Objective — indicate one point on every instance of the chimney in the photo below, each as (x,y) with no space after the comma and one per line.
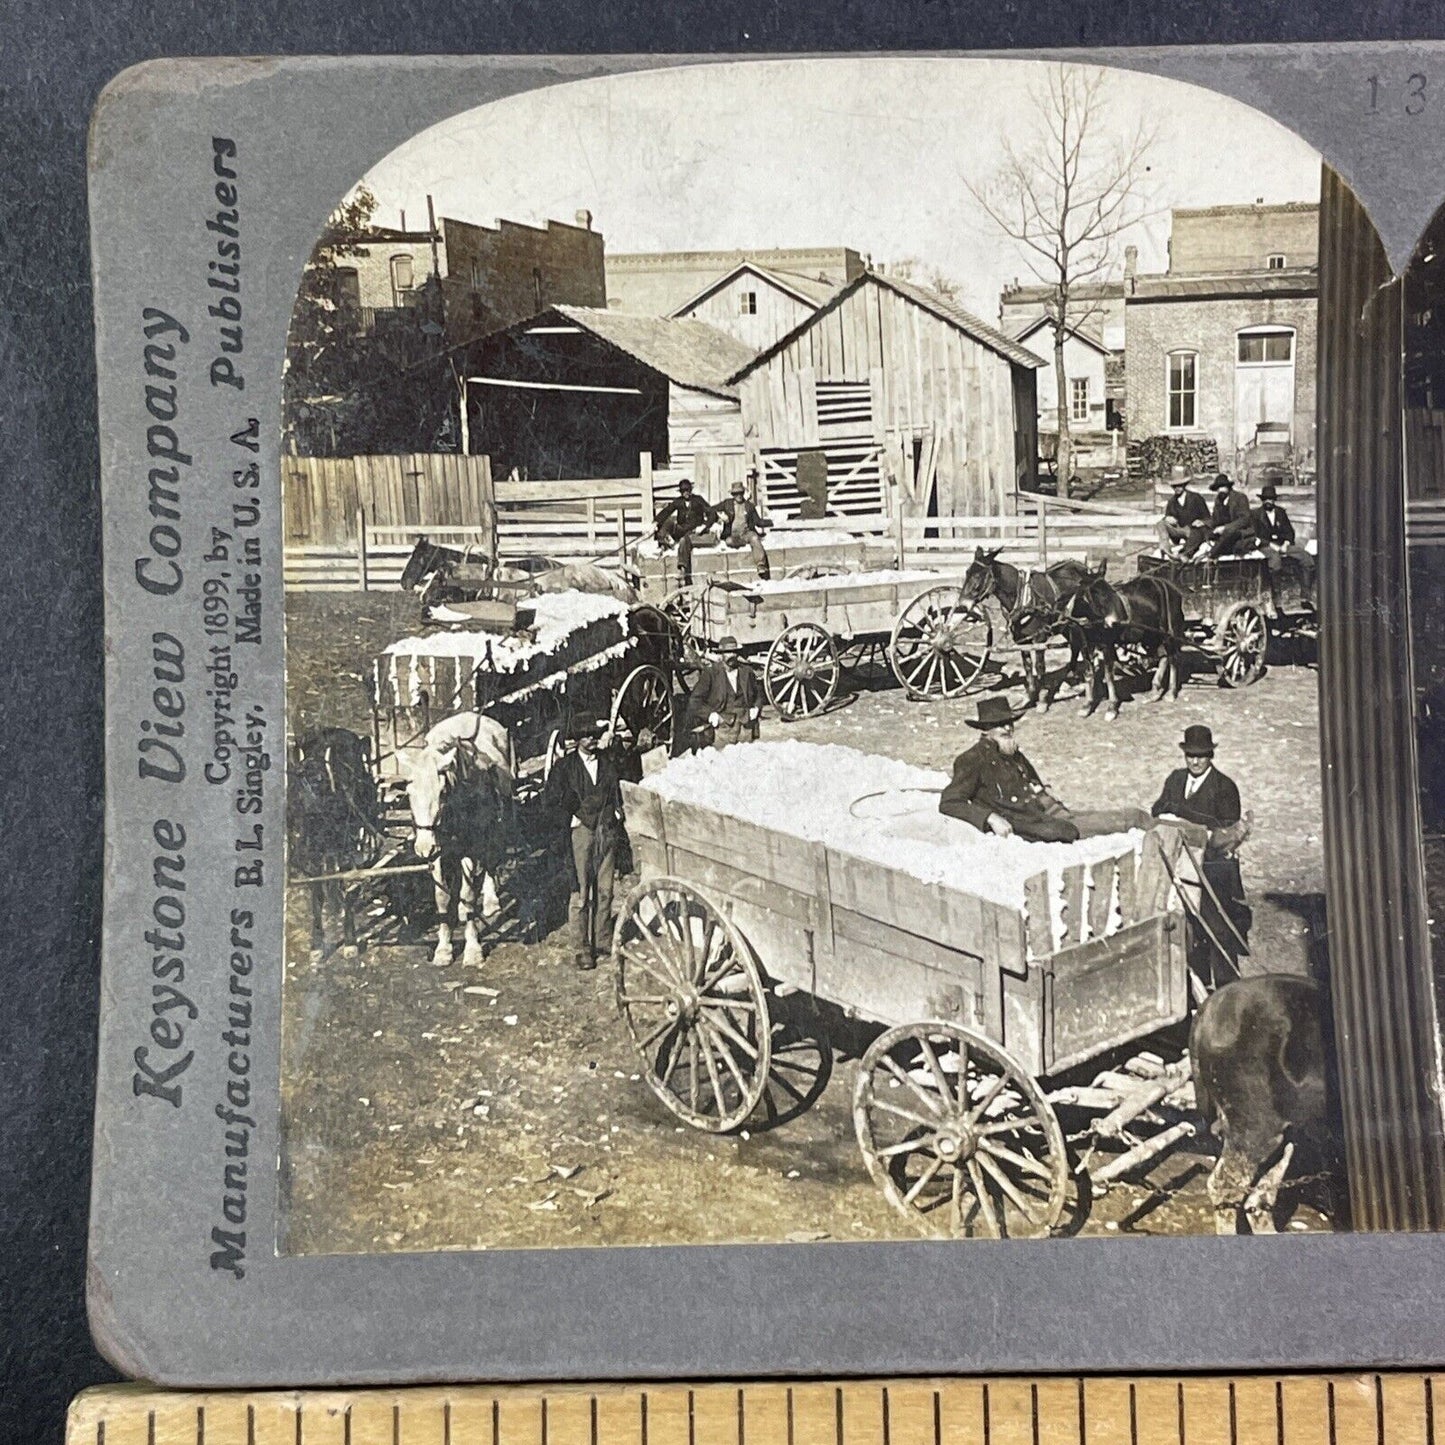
(584,219)
(1131,268)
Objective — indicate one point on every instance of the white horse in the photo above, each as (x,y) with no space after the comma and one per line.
(458,787)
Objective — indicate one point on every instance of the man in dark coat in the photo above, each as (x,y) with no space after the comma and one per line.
(1199,793)
(1184,526)
(729,696)
(584,788)
(742,526)
(995,787)
(685,521)
(1275,534)
(1231,523)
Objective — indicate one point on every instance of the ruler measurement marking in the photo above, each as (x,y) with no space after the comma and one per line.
(1080,1408)
(1133,1414)
(987,1417)
(1429,1411)
(742,1422)
(250,1425)
(937,1419)
(887,1423)
(790,1417)
(642,1407)
(1279,1411)
(396,1424)
(692,1419)
(1233,1416)
(544,1420)
(1330,1408)
(447,1422)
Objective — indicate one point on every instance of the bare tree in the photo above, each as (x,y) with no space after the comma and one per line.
(1064,197)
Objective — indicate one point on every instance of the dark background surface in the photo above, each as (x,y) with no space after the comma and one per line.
(53,62)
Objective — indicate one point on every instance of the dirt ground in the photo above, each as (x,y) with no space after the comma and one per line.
(430,1108)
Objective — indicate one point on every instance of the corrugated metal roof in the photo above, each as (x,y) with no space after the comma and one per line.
(1296,281)
(931,301)
(689,352)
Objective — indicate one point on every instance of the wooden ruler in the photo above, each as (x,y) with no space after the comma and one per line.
(1367,1409)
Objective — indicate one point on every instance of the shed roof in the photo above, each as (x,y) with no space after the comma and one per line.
(1296,281)
(931,301)
(810,290)
(691,353)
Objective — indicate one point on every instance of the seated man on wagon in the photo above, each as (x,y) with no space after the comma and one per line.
(995,788)
(1231,523)
(1183,528)
(685,521)
(742,525)
(728,696)
(1275,534)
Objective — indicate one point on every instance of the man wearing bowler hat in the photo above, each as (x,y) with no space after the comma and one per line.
(995,788)
(742,526)
(729,696)
(584,787)
(1231,523)
(1275,534)
(1199,793)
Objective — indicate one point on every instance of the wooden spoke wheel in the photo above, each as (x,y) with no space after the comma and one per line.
(1242,639)
(799,1066)
(695,1005)
(958,1137)
(642,711)
(800,675)
(681,608)
(940,643)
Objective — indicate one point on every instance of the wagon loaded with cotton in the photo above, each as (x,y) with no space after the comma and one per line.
(570,655)
(994,970)
(805,632)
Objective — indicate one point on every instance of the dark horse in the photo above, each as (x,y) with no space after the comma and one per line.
(448,575)
(1035,605)
(333,820)
(1143,611)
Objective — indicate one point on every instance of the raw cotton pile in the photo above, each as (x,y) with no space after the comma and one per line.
(877,809)
(569,630)
(843,579)
(650,547)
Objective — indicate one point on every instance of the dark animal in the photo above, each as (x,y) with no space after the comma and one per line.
(333,820)
(1035,606)
(448,575)
(1143,611)
(1258,1055)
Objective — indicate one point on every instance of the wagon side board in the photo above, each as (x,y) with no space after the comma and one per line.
(891,948)
(659,576)
(841,606)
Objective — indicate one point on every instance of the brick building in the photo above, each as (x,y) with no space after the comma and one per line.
(657,283)
(1223,344)
(1097,307)
(481,278)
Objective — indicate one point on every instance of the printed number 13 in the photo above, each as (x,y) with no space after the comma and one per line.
(1415,94)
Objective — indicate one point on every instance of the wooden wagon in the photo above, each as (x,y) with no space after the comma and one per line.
(803,630)
(980,1005)
(1233,603)
(572,655)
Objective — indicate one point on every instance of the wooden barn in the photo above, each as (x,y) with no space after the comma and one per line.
(888,380)
(581,391)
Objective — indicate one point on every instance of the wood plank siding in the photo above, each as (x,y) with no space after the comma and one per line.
(916,384)
(705,440)
(775,312)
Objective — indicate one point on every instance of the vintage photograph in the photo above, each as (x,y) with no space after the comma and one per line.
(801,669)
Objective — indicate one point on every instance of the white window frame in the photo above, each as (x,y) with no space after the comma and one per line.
(1275,261)
(1169,358)
(1078,398)
(1267,329)
(747,303)
(398,259)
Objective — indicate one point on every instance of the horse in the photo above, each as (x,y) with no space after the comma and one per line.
(459,789)
(1257,1052)
(333,816)
(1034,605)
(1148,611)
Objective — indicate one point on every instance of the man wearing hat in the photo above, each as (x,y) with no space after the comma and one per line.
(1185,523)
(729,696)
(1199,793)
(995,787)
(684,521)
(1275,533)
(742,526)
(583,788)
(1231,523)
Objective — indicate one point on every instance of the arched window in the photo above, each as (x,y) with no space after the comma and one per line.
(403,277)
(1181,390)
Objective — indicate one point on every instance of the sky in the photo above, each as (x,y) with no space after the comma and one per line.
(871,153)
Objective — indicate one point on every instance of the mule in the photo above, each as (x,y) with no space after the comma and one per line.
(459,790)
(1258,1054)
(1144,611)
(1034,604)
(333,818)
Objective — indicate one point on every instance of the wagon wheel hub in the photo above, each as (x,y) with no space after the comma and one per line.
(686,1004)
(955,1141)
